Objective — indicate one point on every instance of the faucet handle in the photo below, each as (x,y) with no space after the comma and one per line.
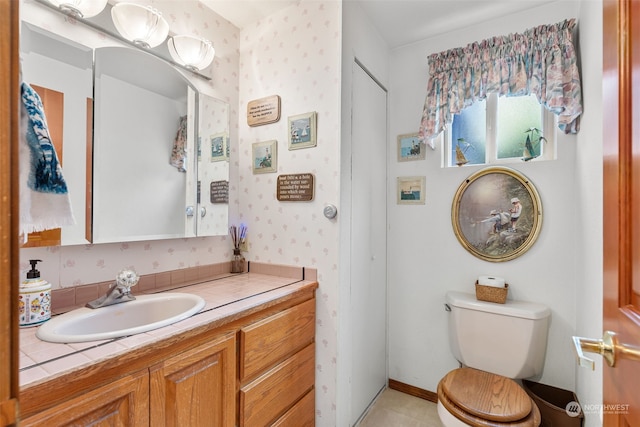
(127,278)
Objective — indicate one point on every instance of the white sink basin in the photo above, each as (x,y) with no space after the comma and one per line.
(145,313)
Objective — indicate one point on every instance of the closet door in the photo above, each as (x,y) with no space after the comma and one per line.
(368,241)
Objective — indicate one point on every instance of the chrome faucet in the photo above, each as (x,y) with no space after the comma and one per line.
(119,291)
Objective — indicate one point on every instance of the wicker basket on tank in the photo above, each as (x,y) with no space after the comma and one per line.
(491,293)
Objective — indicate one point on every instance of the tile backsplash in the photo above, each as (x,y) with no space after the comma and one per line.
(66,299)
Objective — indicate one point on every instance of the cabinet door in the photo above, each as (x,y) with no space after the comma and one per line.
(197,387)
(124,402)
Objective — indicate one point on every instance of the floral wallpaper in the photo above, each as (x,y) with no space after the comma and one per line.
(295,54)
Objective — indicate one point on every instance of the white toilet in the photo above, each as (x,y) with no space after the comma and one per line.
(495,343)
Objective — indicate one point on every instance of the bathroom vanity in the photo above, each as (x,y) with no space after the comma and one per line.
(247,359)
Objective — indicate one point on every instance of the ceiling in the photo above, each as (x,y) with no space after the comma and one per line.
(244,12)
(418,19)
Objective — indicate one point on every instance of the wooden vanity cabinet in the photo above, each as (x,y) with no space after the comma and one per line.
(255,369)
(193,388)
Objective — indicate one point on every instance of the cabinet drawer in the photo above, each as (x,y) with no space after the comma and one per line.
(264,400)
(271,340)
(301,415)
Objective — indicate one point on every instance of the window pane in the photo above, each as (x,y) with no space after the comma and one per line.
(469,131)
(516,115)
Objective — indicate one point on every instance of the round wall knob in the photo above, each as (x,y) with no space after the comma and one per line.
(330,211)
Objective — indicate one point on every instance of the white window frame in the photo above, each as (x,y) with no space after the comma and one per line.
(491,148)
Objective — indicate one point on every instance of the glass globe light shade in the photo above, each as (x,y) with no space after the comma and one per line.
(81,8)
(193,52)
(142,25)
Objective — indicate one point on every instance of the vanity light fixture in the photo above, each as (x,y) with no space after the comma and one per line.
(195,53)
(142,25)
(80,8)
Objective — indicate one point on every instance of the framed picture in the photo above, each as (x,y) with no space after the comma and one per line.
(302,131)
(410,147)
(496,214)
(265,156)
(219,147)
(411,190)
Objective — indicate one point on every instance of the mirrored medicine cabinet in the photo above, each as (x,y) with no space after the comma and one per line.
(114,113)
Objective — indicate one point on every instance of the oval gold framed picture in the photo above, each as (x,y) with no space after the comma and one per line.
(497,214)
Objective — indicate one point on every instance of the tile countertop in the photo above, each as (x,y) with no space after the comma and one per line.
(41,361)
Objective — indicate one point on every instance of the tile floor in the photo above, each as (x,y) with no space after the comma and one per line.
(396,409)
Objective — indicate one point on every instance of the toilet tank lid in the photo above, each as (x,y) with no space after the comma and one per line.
(526,310)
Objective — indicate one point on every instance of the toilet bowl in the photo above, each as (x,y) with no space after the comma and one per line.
(470,397)
(495,344)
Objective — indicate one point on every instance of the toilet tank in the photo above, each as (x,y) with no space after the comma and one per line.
(506,339)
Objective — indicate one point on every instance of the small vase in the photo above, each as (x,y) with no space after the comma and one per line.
(237,263)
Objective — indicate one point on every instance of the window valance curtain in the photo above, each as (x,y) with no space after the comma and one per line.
(540,61)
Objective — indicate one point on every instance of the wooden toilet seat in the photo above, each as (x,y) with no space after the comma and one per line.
(482,399)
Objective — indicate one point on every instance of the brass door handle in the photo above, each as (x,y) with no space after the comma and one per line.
(608,347)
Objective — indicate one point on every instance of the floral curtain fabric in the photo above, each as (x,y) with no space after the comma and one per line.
(540,61)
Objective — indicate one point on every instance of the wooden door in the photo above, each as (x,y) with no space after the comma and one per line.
(621,105)
(9,256)
(197,387)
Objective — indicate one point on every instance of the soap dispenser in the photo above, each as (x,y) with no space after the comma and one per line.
(34,305)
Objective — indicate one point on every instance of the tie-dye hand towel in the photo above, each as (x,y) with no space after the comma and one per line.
(44,198)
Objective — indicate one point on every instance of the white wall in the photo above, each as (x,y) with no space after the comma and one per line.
(427,259)
(589,192)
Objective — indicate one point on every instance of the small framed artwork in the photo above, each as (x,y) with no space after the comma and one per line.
(219,143)
(411,190)
(302,131)
(265,156)
(496,214)
(410,147)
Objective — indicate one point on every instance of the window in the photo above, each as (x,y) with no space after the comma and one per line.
(500,130)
